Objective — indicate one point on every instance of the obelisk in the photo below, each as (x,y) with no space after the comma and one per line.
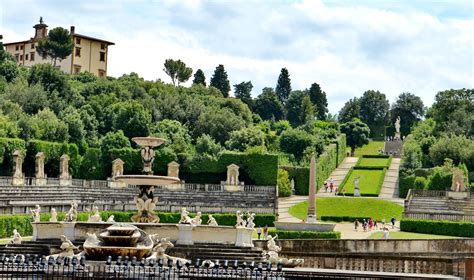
(312,192)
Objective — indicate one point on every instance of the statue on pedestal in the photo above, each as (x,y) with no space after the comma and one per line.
(250,223)
(397,129)
(272,254)
(211,221)
(197,220)
(71,215)
(35,213)
(240,219)
(54,216)
(148,156)
(356,186)
(95,217)
(185,219)
(16,238)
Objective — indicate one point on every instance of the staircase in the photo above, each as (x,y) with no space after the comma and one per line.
(390,182)
(394,148)
(338,175)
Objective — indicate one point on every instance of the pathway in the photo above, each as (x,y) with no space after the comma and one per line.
(284,205)
(338,174)
(348,232)
(390,183)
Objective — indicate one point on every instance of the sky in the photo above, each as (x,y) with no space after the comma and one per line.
(347,47)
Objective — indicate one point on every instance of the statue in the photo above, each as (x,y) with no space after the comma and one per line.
(16,238)
(197,220)
(397,129)
(67,249)
(148,156)
(35,213)
(212,221)
(54,216)
(272,254)
(185,219)
(458,182)
(250,223)
(240,220)
(159,248)
(117,168)
(111,219)
(146,203)
(64,167)
(18,178)
(356,186)
(71,215)
(95,218)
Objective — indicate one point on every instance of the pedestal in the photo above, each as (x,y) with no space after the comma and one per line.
(234,188)
(40,181)
(65,182)
(244,237)
(175,187)
(116,184)
(18,181)
(311,219)
(185,234)
(398,136)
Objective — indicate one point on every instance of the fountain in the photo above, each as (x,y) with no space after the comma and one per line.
(145,200)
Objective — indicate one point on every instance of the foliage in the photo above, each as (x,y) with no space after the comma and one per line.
(114,140)
(131,117)
(299,108)
(9,70)
(441,179)
(245,138)
(288,234)
(458,148)
(370,180)
(295,142)
(374,108)
(218,123)
(31,98)
(177,70)
(283,87)
(420,183)
(319,99)
(8,127)
(207,146)
(199,78)
(91,167)
(409,107)
(350,110)
(52,79)
(7,147)
(453,111)
(176,135)
(45,125)
(357,134)
(268,106)
(220,81)
(452,228)
(406,182)
(412,154)
(284,188)
(57,46)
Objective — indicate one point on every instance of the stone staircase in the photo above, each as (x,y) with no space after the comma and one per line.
(339,174)
(440,205)
(394,148)
(390,182)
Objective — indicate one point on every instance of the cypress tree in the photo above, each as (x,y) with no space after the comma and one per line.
(219,80)
(283,87)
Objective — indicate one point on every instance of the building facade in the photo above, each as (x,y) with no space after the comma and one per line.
(89,54)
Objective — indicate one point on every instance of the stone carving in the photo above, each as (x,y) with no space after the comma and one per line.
(197,220)
(311,217)
(67,249)
(356,186)
(211,221)
(458,184)
(54,216)
(250,223)
(64,167)
(39,168)
(95,217)
(173,169)
(185,219)
(159,248)
(240,219)
(146,203)
(18,176)
(272,254)
(148,156)
(71,215)
(35,214)
(117,168)
(232,174)
(397,128)
(16,238)
(111,219)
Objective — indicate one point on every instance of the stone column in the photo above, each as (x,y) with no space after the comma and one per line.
(312,192)
(18,176)
(64,176)
(39,167)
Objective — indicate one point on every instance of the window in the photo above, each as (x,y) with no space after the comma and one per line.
(32,56)
(17,47)
(78,41)
(26,57)
(21,57)
(78,52)
(102,56)
(17,57)
(21,47)
(101,73)
(32,46)
(77,69)
(102,46)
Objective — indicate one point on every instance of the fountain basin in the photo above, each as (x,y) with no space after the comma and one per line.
(148,141)
(147,180)
(122,240)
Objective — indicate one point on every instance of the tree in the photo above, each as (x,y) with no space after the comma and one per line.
(295,142)
(219,80)
(299,108)
(357,134)
(31,98)
(307,110)
(176,134)
(131,117)
(45,125)
(268,106)
(350,110)
(8,127)
(73,120)
(113,140)
(51,79)
(374,108)
(245,138)
(243,91)
(319,99)
(177,71)
(459,149)
(199,78)
(283,87)
(57,46)
(9,69)
(206,145)
(409,107)
(218,123)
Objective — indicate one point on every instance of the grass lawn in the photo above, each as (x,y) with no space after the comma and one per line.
(350,206)
(370,181)
(372,148)
(4,241)
(409,235)
(376,162)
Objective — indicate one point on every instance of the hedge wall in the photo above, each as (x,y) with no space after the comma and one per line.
(341,148)
(52,152)
(22,223)
(7,147)
(452,228)
(288,234)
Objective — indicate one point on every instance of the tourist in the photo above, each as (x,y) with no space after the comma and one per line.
(375,224)
(336,190)
(356,224)
(371,223)
(385,233)
(392,220)
(331,186)
(265,232)
(344,191)
(326,186)
(259,232)
(383,222)
(364,225)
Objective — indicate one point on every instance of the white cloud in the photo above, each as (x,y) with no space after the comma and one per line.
(346,48)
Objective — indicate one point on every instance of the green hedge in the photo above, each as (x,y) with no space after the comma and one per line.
(343,218)
(22,223)
(288,234)
(451,228)
(405,183)
(300,176)
(7,147)
(378,186)
(341,148)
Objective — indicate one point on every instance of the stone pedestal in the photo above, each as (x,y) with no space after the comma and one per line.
(18,178)
(40,181)
(40,177)
(18,181)
(49,230)
(175,187)
(243,237)
(185,234)
(234,188)
(173,169)
(311,219)
(64,176)
(116,184)
(65,182)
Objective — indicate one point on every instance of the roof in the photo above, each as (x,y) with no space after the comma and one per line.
(19,42)
(92,38)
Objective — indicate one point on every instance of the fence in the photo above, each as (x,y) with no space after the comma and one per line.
(434,216)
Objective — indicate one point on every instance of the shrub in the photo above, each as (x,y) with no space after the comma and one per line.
(288,234)
(440,179)
(7,147)
(420,183)
(406,182)
(284,188)
(452,228)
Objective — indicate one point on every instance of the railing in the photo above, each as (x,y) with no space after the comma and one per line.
(436,216)
(428,193)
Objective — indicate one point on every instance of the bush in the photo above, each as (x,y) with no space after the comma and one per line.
(7,147)
(420,183)
(452,228)
(284,188)
(288,234)
(406,182)
(300,175)
(440,180)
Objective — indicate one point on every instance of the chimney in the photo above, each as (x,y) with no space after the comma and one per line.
(73,29)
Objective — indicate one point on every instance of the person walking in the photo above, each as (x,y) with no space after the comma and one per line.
(326,186)
(375,225)
(371,224)
(356,225)
(392,220)
(336,190)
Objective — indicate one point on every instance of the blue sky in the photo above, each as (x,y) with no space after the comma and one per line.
(345,46)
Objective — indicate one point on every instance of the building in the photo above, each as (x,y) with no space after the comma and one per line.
(89,54)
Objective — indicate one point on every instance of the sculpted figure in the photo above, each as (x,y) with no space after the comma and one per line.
(71,215)
(111,219)
(185,219)
(272,254)
(397,125)
(95,218)
(250,223)
(35,213)
(240,219)
(212,221)
(16,238)
(159,248)
(148,156)
(54,216)
(197,220)
(67,249)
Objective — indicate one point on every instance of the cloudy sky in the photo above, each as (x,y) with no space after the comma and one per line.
(345,46)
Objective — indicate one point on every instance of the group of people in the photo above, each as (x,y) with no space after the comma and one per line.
(370,224)
(264,231)
(329,184)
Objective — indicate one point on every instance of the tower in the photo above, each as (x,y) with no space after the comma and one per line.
(41,29)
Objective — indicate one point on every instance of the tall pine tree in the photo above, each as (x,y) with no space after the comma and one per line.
(199,78)
(283,87)
(318,97)
(219,80)
(243,91)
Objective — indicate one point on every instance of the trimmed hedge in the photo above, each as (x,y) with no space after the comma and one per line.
(288,234)
(341,148)
(7,147)
(22,223)
(405,183)
(300,176)
(451,228)
(343,218)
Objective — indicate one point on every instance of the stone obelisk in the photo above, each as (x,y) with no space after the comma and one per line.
(312,192)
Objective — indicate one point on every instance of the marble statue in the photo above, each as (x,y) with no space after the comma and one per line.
(272,254)
(173,169)
(95,218)
(232,174)
(71,215)
(250,222)
(356,186)
(16,238)
(240,219)
(18,164)
(35,213)
(145,202)
(197,220)
(39,166)
(185,219)
(160,245)
(211,221)
(397,125)
(64,167)
(67,249)
(458,182)
(111,219)
(148,156)
(54,216)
